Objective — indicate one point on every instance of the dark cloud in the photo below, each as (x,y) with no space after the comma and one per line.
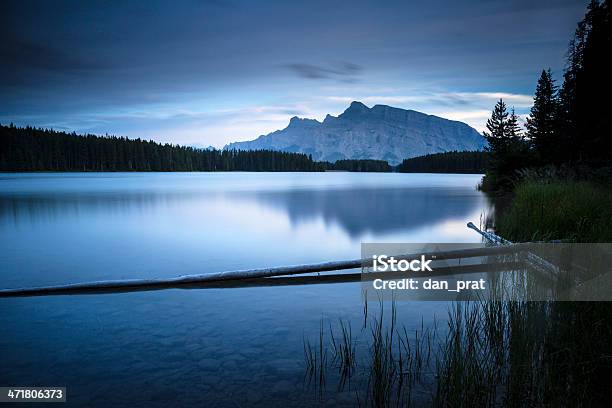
(70,59)
(341,71)
(22,54)
(290,112)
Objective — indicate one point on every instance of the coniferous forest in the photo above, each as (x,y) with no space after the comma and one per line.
(448,162)
(366,165)
(31,149)
(569,128)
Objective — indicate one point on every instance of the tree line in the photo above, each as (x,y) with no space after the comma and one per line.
(363,165)
(569,126)
(448,162)
(32,149)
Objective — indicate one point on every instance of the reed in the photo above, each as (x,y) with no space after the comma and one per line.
(395,362)
(315,358)
(490,353)
(343,352)
(568,210)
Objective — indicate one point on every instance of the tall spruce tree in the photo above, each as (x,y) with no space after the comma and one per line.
(585,124)
(514,128)
(497,124)
(30,149)
(507,150)
(542,121)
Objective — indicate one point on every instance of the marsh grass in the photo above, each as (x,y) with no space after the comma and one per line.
(383,368)
(315,357)
(477,362)
(395,361)
(526,354)
(489,353)
(343,352)
(552,210)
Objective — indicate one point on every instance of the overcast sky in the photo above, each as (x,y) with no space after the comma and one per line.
(208,73)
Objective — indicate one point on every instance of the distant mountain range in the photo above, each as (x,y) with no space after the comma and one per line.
(381,132)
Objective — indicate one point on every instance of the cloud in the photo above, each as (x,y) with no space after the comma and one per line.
(443,99)
(188,125)
(473,108)
(21,56)
(341,71)
(516,100)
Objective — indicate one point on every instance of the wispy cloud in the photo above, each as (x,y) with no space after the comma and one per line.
(187,125)
(516,100)
(342,71)
(444,98)
(473,108)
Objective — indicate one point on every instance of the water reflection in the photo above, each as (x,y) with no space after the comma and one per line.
(47,207)
(356,206)
(374,210)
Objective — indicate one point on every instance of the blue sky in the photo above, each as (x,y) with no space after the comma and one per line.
(208,73)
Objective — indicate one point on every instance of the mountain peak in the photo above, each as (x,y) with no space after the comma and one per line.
(357,104)
(355,108)
(381,133)
(302,121)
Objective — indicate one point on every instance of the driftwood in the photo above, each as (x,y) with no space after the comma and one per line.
(489,236)
(297,280)
(534,260)
(217,277)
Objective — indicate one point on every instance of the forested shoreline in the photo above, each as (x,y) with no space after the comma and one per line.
(364,165)
(449,162)
(568,132)
(32,149)
(29,149)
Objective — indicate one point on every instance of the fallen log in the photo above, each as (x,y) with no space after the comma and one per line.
(534,260)
(128,284)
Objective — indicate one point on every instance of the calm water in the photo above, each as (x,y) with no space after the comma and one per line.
(224,347)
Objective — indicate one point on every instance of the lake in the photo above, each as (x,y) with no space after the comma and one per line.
(221,347)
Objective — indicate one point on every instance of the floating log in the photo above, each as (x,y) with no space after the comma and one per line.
(534,260)
(131,284)
(489,236)
(298,280)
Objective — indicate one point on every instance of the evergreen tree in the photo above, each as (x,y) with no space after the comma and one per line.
(585,124)
(363,165)
(571,125)
(29,149)
(542,121)
(508,151)
(447,162)
(514,128)
(497,124)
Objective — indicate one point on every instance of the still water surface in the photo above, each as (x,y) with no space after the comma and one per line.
(224,347)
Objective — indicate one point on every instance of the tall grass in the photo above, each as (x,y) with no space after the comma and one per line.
(526,354)
(343,352)
(568,210)
(395,362)
(490,353)
(315,357)
(522,353)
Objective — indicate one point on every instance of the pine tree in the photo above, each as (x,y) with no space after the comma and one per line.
(514,128)
(542,121)
(497,124)
(585,124)
(508,150)
(30,149)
